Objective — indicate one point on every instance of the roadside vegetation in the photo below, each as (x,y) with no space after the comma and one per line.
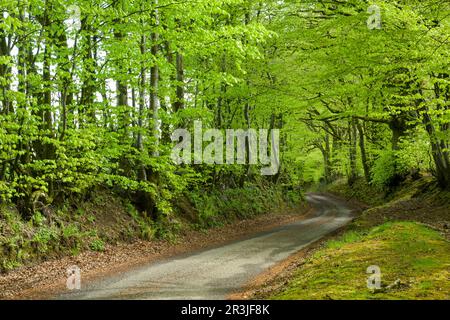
(105,219)
(407,236)
(414,262)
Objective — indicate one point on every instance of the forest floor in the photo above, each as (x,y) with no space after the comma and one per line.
(407,237)
(47,278)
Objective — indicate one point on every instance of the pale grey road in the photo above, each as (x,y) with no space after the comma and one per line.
(216,273)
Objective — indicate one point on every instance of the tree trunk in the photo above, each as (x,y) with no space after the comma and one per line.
(121,86)
(5,70)
(154,84)
(179,102)
(89,66)
(362,147)
(440,156)
(353,175)
(326,152)
(65,76)
(142,174)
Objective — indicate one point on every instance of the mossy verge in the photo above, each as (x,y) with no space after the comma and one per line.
(414,261)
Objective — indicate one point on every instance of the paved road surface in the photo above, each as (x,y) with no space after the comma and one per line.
(217,272)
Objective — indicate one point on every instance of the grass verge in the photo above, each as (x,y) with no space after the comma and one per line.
(414,262)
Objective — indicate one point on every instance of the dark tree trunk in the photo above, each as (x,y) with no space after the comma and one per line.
(89,66)
(4,72)
(179,102)
(440,156)
(353,174)
(326,152)
(154,83)
(362,147)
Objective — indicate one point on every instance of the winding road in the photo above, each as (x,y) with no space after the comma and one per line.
(216,273)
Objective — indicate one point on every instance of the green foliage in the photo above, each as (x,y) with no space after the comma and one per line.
(97,245)
(348,97)
(348,237)
(146,229)
(43,239)
(167,229)
(414,153)
(217,207)
(37,219)
(69,146)
(392,166)
(387,169)
(70,231)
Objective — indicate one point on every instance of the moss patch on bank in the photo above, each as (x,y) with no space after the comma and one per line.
(66,230)
(414,262)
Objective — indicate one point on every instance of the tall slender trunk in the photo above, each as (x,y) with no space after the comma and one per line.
(121,85)
(336,146)
(362,147)
(352,133)
(179,103)
(439,146)
(46,150)
(155,103)
(89,65)
(65,70)
(142,174)
(326,153)
(5,71)
(440,156)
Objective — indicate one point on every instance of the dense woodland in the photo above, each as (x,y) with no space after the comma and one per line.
(91,90)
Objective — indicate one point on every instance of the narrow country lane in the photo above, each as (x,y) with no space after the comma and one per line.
(216,273)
